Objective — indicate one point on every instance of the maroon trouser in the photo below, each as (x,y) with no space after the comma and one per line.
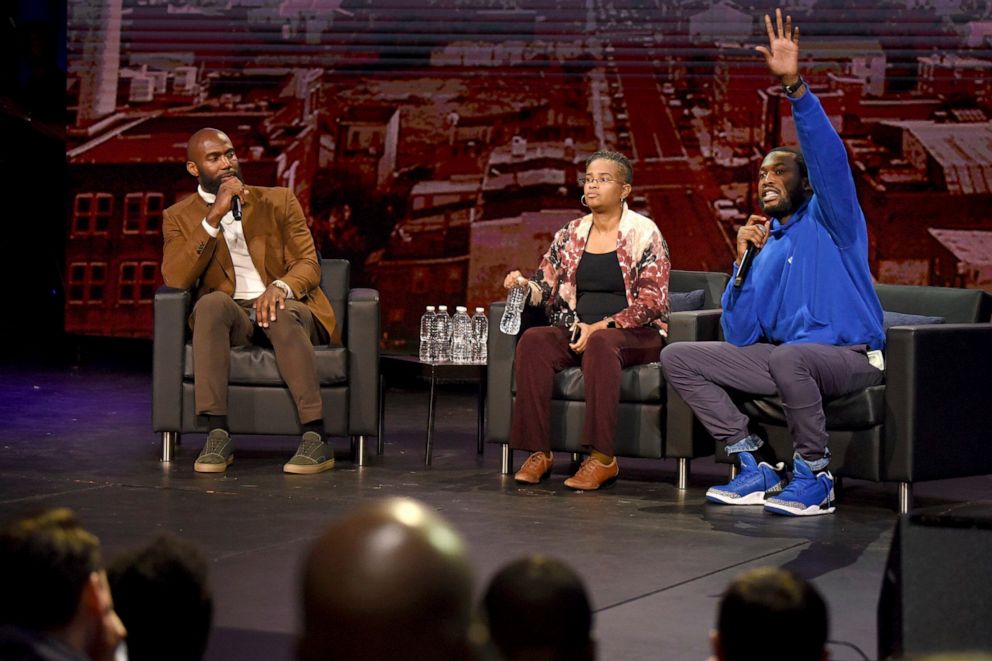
(219,323)
(542,352)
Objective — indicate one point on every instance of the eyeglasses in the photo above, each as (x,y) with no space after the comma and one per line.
(586,181)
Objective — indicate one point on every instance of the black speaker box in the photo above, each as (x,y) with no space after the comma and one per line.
(937,588)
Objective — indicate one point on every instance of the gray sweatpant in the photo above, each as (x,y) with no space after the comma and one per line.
(802,375)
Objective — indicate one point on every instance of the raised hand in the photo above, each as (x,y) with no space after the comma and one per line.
(782,53)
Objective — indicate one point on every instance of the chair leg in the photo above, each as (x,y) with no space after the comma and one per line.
(733,471)
(905,497)
(682,475)
(169,439)
(576,458)
(506,459)
(360,451)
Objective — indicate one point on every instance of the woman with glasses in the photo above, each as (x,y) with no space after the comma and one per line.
(604,286)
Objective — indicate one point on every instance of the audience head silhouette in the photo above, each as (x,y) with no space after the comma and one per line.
(771,604)
(55,592)
(165,581)
(391,581)
(538,610)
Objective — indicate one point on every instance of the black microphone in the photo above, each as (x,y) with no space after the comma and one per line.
(745,266)
(236,208)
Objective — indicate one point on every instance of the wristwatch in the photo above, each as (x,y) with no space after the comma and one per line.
(794,87)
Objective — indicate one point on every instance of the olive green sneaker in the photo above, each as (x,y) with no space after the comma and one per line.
(313,456)
(217,453)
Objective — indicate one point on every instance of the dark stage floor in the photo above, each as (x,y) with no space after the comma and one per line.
(655,559)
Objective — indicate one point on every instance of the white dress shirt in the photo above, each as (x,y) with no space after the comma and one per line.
(248,284)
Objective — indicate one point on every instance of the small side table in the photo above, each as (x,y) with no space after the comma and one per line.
(434,372)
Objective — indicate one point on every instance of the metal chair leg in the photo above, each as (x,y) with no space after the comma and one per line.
(682,476)
(506,459)
(733,471)
(360,451)
(576,458)
(169,439)
(905,497)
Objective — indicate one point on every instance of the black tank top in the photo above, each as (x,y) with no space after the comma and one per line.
(600,291)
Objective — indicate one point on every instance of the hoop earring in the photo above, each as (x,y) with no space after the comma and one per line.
(583,201)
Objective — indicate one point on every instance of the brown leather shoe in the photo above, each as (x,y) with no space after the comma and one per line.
(536,468)
(593,474)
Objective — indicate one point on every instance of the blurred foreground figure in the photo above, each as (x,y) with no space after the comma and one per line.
(55,603)
(538,610)
(391,581)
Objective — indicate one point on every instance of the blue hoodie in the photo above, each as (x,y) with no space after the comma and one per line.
(811,282)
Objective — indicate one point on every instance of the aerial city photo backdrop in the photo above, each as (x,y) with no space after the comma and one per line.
(437,144)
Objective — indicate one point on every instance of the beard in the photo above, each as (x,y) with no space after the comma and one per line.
(212,184)
(785,205)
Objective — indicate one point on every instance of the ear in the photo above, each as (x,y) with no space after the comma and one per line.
(192,169)
(808,187)
(716,645)
(625,191)
(92,597)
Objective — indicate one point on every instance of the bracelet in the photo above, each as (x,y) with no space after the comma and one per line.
(794,87)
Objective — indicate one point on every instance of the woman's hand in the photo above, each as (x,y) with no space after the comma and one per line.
(585,332)
(514,278)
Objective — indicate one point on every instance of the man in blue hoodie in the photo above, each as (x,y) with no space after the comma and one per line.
(805,324)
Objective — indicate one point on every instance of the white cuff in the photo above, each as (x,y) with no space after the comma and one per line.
(211,230)
(284,287)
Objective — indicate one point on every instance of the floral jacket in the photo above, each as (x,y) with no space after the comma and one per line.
(643,257)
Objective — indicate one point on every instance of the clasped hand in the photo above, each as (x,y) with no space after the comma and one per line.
(514,278)
(755,231)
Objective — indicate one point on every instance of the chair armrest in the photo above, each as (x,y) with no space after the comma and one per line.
(685,436)
(499,377)
(168,350)
(363,334)
(937,395)
(694,325)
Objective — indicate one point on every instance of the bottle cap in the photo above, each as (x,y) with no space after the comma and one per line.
(430,308)
(461,308)
(443,307)
(479,310)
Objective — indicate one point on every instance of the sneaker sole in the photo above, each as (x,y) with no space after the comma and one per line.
(296,469)
(756,498)
(785,510)
(213,468)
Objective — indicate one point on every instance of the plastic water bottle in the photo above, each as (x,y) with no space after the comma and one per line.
(442,334)
(426,326)
(480,337)
(461,336)
(510,322)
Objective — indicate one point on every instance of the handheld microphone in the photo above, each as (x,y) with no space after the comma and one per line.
(745,266)
(236,209)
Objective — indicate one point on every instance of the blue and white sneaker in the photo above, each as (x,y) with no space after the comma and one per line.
(751,484)
(806,495)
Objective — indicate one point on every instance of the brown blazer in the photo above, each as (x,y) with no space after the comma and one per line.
(279,243)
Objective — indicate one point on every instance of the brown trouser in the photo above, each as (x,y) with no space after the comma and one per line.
(542,352)
(219,323)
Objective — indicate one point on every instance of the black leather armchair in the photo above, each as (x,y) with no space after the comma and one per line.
(643,421)
(930,420)
(258,400)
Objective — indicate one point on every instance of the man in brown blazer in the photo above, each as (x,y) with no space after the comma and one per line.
(257,273)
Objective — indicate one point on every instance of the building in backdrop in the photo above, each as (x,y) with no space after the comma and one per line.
(437,146)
